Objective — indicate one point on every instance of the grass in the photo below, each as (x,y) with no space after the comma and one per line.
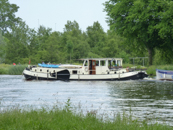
(12,69)
(4,68)
(16,69)
(66,119)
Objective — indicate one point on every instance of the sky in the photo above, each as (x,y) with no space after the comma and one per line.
(55,13)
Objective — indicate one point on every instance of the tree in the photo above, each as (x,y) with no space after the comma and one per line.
(17,46)
(96,38)
(3,41)
(138,20)
(74,41)
(7,15)
(70,48)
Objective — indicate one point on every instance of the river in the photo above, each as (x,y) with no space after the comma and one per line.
(150,100)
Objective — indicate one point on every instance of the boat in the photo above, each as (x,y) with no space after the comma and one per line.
(92,69)
(164,74)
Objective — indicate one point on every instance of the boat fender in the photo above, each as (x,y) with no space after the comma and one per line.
(86,69)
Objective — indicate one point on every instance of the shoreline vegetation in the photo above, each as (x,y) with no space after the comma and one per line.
(65,118)
(18,69)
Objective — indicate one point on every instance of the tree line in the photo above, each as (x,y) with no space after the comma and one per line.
(127,37)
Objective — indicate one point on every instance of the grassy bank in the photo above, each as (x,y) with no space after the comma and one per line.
(4,68)
(16,69)
(65,119)
(12,69)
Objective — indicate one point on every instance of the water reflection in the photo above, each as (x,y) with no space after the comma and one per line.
(145,99)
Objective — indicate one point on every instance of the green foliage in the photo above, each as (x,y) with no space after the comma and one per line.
(141,21)
(130,36)
(7,16)
(56,118)
(92,55)
(4,68)
(16,69)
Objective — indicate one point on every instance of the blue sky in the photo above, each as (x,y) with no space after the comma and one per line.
(55,13)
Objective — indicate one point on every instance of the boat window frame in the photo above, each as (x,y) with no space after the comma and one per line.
(86,63)
(97,62)
(101,61)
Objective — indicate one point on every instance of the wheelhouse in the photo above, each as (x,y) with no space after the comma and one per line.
(94,66)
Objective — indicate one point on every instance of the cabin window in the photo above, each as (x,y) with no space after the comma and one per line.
(47,70)
(119,62)
(102,63)
(40,70)
(74,72)
(86,63)
(97,63)
(93,63)
(109,63)
(35,70)
(114,63)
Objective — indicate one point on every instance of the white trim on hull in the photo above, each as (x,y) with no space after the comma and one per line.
(123,76)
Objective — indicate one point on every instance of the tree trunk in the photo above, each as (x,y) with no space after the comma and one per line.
(150,52)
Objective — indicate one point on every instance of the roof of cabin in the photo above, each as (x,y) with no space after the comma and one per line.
(101,59)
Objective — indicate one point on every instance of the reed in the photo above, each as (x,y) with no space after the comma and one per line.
(16,69)
(67,119)
(4,68)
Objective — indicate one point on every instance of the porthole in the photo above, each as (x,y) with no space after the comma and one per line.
(40,70)
(74,71)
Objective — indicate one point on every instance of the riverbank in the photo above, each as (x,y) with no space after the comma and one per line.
(12,69)
(65,119)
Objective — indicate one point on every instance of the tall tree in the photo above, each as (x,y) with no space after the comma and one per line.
(138,20)
(3,41)
(96,38)
(17,46)
(74,39)
(7,15)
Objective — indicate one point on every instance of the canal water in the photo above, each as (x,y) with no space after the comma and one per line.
(147,99)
